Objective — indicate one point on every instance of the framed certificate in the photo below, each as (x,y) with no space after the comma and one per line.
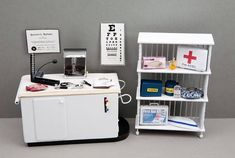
(43,41)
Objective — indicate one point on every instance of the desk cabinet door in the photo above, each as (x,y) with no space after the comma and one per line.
(50,118)
(93,116)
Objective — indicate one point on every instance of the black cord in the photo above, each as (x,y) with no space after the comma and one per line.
(54,61)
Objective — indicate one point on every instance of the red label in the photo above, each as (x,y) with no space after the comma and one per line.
(190,57)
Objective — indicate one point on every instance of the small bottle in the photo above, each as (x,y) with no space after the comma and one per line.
(172,64)
(177,91)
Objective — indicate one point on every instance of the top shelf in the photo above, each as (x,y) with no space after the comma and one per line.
(168,71)
(175,38)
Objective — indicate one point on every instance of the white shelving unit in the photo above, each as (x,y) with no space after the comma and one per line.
(165,44)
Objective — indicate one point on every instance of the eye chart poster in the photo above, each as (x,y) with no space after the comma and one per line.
(112,44)
(43,41)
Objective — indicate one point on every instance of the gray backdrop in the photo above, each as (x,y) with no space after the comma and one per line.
(79,24)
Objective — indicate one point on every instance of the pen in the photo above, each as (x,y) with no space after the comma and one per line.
(85,82)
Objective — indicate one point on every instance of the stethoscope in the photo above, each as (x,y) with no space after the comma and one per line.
(66,85)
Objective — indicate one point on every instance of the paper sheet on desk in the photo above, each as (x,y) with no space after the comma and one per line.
(100,83)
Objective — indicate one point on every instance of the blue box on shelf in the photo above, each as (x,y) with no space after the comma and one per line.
(151,88)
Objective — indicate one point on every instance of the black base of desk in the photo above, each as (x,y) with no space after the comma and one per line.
(124,130)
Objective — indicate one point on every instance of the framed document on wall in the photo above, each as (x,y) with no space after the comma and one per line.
(112,44)
(43,41)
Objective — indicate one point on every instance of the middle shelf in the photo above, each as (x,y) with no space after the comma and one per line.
(168,98)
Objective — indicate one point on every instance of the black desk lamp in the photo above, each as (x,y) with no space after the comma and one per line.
(37,77)
(39,73)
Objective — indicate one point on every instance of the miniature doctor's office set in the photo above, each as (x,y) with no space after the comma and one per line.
(76,106)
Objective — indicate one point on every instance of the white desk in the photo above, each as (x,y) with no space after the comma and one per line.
(69,114)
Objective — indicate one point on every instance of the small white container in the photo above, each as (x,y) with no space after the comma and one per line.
(177,91)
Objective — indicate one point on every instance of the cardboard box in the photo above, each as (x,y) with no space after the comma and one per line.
(154,62)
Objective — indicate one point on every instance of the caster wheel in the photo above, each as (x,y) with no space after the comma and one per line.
(201,135)
(137,132)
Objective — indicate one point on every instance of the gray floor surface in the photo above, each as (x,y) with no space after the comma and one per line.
(219,142)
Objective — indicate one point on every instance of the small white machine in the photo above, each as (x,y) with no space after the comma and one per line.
(75,62)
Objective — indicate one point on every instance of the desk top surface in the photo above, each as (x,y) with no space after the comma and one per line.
(86,90)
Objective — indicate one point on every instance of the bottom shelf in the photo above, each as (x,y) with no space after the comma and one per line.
(165,127)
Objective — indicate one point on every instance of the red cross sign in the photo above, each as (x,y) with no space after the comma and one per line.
(190,57)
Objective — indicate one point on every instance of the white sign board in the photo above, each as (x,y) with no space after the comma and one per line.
(192,58)
(43,41)
(112,44)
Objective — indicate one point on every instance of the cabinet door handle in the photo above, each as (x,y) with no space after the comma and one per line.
(105,105)
(61,101)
